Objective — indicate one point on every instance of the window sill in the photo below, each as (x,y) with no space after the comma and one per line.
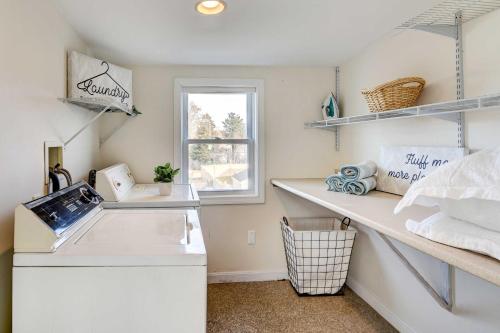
(211,200)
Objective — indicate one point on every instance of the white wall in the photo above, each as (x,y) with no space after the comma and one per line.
(34,41)
(376,274)
(292,96)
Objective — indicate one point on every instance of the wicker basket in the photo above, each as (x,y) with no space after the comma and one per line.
(397,94)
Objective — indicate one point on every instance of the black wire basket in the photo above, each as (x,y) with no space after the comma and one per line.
(318,252)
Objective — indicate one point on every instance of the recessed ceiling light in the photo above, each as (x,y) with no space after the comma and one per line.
(210,7)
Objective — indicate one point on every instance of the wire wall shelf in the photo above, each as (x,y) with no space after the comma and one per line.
(97,105)
(446,18)
(444,110)
(440,14)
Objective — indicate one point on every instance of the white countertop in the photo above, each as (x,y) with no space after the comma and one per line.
(375,210)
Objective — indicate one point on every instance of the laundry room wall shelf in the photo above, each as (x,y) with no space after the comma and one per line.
(99,106)
(444,110)
(446,18)
(95,105)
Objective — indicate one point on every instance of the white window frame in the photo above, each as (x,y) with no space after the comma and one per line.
(255,144)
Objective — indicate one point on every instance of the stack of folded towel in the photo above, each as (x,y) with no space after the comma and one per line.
(355,179)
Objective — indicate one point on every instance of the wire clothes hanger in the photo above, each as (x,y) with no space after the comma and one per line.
(87,83)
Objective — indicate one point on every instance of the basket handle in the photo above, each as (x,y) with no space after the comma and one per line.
(285,220)
(346,222)
(402,81)
(413,84)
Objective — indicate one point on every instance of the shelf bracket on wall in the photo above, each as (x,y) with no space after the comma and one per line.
(444,298)
(447,30)
(87,124)
(99,106)
(337,97)
(453,31)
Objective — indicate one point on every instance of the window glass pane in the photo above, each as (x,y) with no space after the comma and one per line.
(218,167)
(214,115)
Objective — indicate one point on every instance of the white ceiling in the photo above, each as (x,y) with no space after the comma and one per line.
(249,32)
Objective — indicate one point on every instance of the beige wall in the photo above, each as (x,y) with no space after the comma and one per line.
(376,273)
(34,42)
(292,96)
(31,114)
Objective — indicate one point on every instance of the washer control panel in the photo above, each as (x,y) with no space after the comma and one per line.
(62,209)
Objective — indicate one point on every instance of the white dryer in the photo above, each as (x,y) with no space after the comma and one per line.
(81,268)
(117,186)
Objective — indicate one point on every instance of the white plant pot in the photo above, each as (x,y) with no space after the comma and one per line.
(165,188)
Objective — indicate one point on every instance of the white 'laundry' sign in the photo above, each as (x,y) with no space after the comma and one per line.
(99,80)
(401,166)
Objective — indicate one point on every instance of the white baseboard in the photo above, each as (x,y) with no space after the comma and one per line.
(246,276)
(373,301)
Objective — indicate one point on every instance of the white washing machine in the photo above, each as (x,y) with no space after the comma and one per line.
(81,268)
(117,186)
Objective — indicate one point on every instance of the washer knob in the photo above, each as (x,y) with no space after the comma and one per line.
(87,196)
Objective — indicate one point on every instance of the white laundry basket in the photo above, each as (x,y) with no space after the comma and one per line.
(318,252)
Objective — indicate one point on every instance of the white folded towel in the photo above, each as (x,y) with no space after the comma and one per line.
(450,231)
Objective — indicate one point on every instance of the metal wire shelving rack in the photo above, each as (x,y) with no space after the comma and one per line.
(446,18)
(443,110)
(440,14)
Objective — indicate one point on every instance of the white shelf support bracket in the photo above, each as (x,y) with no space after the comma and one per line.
(453,31)
(337,96)
(448,117)
(90,122)
(447,30)
(444,298)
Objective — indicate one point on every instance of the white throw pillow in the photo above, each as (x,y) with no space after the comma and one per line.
(467,189)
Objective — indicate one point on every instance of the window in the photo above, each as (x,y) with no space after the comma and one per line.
(219,139)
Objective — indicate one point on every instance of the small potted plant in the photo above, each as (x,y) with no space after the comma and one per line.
(164,176)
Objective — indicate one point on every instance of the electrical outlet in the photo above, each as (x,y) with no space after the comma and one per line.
(251,237)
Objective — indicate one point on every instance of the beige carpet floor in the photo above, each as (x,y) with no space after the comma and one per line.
(275,307)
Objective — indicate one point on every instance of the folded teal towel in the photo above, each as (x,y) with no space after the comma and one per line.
(360,187)
(335,183)
(358,171)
